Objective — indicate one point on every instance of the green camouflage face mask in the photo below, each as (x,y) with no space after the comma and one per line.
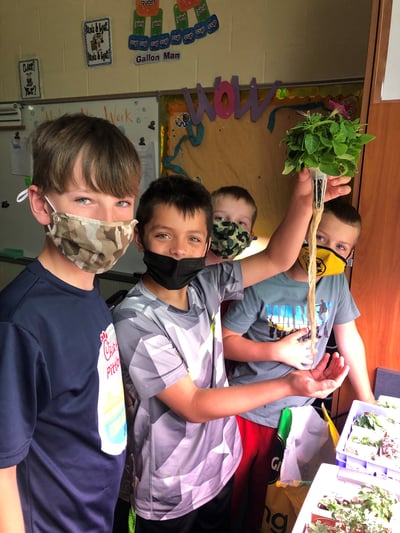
(92,245)
(229,239)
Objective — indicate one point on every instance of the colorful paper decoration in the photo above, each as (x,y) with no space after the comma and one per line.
(183,33)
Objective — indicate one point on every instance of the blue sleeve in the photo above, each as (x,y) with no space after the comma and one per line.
(24,390)
(241,315)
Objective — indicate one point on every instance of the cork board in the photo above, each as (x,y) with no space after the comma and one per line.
(230,151)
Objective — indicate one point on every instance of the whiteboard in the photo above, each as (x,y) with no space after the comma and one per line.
(137,117)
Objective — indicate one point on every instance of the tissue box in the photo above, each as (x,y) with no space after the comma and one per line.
(370,440)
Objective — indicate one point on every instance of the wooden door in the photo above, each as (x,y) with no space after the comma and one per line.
(375,277)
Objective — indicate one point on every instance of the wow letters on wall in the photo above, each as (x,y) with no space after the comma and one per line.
(227,101)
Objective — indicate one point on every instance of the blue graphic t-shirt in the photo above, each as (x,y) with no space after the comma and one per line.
(271,310)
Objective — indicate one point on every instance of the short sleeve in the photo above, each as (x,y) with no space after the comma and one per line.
(241,314)
(150,357)
(24,391)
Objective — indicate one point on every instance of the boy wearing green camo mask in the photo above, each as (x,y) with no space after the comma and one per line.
(234,215)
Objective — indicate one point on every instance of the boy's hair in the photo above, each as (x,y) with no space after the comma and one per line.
(344,212)
(239,193)
(110,163)
(187,195)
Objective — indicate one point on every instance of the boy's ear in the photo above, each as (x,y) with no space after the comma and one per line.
(39,207)
(208,246)
(137,240)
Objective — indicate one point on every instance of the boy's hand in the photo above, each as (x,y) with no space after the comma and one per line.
(293,351)
(336,186)
(322,380)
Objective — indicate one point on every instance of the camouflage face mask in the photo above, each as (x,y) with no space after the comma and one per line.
(92,245)
(229,239)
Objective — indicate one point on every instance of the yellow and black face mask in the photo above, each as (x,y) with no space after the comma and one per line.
(329,263)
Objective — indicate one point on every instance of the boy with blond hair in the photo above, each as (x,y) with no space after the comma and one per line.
(267,336)
(234,215)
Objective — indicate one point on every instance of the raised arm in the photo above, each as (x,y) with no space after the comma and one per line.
(201,405)
(11,519)
(286,241)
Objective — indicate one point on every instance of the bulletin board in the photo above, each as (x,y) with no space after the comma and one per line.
(231,151)
(137,117)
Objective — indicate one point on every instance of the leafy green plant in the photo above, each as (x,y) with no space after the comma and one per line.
(369,512)
(369,421)
(332,143)
(318,527)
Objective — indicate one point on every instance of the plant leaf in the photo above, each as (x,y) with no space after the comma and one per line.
(339,148)
(289,167)
(311,143)
(366,138)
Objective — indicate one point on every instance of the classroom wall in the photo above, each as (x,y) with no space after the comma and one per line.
(270,40)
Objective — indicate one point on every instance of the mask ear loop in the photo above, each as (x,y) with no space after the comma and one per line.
(50,204)
(53,208)
(350,259)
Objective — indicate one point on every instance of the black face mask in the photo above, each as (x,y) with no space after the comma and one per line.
(171,273)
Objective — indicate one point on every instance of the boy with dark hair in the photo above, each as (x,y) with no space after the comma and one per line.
(62,415)
(234,215)
(266,334)
(186,442)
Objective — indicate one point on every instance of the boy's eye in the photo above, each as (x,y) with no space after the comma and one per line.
(195,239)
(161,236)
(83,201)
(219,218)
(124,203)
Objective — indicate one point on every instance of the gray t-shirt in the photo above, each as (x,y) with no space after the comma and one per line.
(271,310)
(179,465)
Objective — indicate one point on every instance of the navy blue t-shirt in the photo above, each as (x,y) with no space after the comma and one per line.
(62,415)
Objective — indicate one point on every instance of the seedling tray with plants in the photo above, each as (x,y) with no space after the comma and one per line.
(340,500)
(370,440)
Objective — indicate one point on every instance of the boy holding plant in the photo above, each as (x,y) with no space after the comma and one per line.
(266,334)
(187,446)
